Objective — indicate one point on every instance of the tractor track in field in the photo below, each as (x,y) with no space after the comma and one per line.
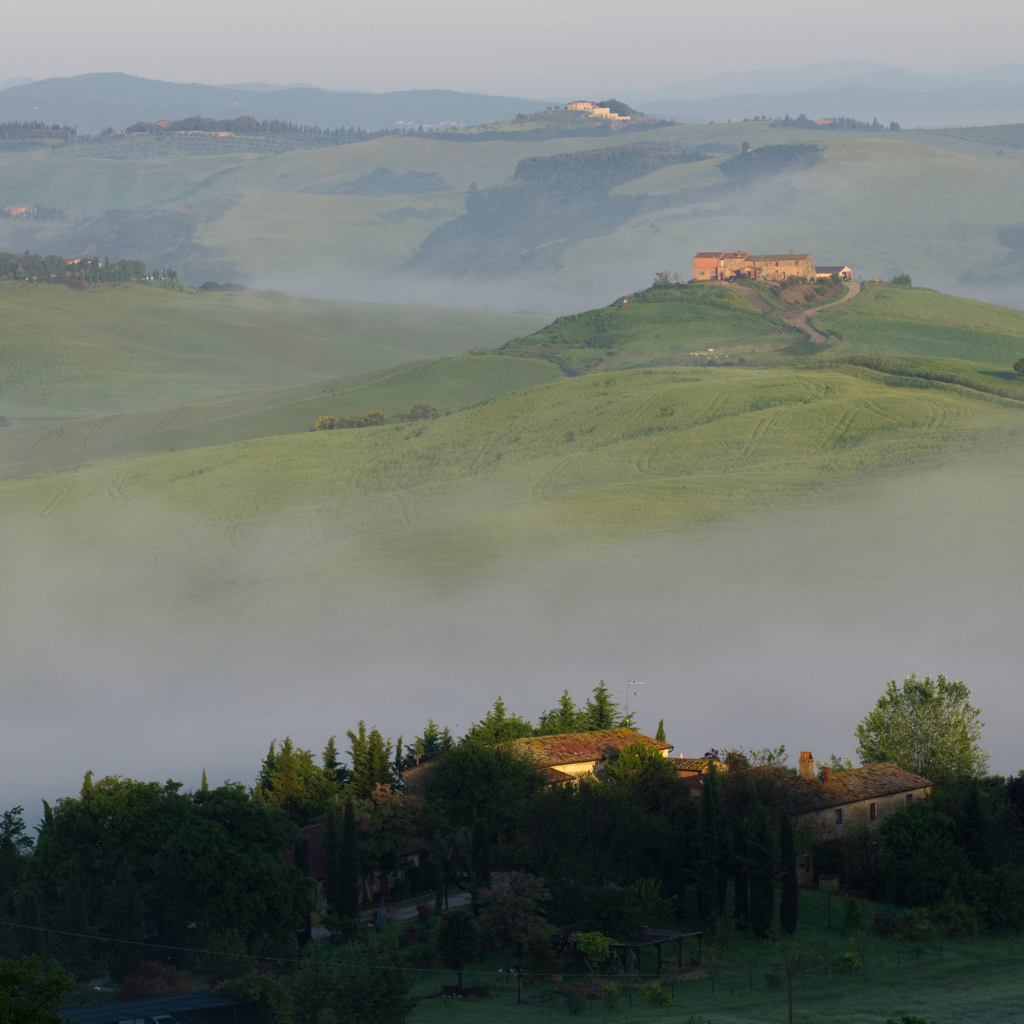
(797,319)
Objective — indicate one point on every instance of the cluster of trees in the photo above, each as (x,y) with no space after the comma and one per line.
(11,131)
(364,419)
(29,266)
(249,127)
(225,869)
(840,124)
(768,160)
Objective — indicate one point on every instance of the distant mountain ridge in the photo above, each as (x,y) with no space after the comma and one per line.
(846,89)
(94,102)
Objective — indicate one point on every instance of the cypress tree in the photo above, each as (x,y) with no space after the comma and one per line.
(741,890)
(348,875)
(331,843)
(481,854)
(726,857)
(788,905)
(761,855)
(126,913)
(708,853)
(660,734)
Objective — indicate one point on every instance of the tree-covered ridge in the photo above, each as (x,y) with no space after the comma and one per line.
(58,270)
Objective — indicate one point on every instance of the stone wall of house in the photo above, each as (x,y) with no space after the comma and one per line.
(823,823)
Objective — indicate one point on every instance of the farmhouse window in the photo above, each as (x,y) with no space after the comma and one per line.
(873,812)
(910,799)
(839,815)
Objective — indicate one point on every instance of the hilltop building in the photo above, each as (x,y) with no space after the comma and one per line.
(566,757)
(591,109)
(715,265)
(844,272)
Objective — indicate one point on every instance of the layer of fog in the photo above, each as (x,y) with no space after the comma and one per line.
(783,630)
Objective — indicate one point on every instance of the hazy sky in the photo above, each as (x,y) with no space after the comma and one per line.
(536,48)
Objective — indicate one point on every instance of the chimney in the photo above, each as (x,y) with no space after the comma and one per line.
(806,764)
(826,775)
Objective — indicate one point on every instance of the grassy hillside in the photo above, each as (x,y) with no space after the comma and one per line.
(444,383)
(116,349)
(921,322)
(607,455)
(658,327)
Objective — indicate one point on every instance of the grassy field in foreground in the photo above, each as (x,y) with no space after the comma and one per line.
(608,455)
(945,980)
(920,322)
(115,349)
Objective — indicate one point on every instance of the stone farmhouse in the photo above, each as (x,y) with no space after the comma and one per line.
(567,757)
(591,109)
(838,802)
(717,265)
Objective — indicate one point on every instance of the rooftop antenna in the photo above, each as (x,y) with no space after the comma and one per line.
(630,689)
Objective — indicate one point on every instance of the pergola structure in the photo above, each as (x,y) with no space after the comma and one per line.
(656,937)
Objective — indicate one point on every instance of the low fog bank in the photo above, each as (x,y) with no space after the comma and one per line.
(508,295)
(778,631)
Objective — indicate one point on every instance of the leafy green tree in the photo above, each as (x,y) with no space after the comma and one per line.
(126,924)
(289,778)
(510,907)
(371,761)
(928,727)
(475,781)
(458,941)
(563,718)
(15,850)
(218,851)
(1019,367)
(789,901)
(762,855)
(498,726)
(364,985)
(30,994)
(432,743)
(639,763)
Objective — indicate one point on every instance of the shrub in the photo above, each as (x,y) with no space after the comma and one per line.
(422,412)
(957,919)
(901,279)
(656,994)
(852,914)
(610,996)
(773,979)
(575,1002)
(846,963)
(1019,367)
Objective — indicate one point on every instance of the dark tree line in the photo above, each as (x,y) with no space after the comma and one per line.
(28,266)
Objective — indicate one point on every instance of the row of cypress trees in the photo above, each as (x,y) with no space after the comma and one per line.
(745,840)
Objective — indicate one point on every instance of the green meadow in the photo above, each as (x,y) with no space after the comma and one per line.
(972,980)
(116,349)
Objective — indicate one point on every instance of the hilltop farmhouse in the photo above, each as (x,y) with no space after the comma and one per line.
(717,265)
(591,109)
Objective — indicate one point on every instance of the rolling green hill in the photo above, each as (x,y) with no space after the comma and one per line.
(657,327)
(609,455)
(921,322)
(118,349)
(882,203)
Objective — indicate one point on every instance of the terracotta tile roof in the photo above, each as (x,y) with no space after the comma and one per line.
(831,270)
(577,747)
(873,780)
(709,254)
(552,776)
(696,764)
(781,256)
(414,778)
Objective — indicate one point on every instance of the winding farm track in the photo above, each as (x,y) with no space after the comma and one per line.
(795,319)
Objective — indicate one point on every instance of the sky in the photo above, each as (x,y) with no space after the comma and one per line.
(531,48)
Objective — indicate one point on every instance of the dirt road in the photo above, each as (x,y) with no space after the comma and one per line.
(797,319)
